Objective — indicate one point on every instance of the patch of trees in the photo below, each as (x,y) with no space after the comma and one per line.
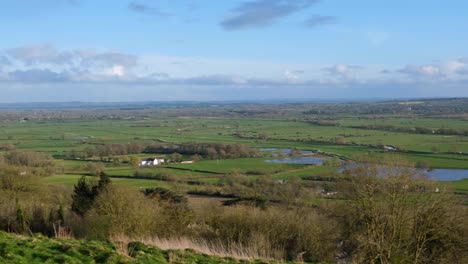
(105,150)
(37,163)
(29,159)
(325,123)
(206,150)
(163,194)
(417,130)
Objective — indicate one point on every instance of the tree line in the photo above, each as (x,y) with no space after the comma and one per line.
(197,150)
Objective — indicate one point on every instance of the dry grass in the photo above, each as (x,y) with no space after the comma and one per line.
(62,232)
(250,252)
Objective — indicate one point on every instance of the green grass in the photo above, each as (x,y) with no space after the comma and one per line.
(56,137)
(39,249)
(245,165)
(309,171)
(71,180)
(460,186)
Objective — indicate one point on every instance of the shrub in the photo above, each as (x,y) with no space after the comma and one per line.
(274,232)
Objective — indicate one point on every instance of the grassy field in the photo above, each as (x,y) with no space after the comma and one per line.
(246,165)
(70,180)
(460,186)
(56,137)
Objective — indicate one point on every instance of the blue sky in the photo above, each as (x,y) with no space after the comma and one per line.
(157,50)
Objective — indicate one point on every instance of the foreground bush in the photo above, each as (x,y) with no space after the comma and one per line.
(275,232)
(392,217)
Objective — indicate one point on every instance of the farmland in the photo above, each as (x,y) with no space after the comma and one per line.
(341,135)
(260,166)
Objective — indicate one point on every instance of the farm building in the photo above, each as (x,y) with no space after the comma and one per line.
(390,148)
(150,162)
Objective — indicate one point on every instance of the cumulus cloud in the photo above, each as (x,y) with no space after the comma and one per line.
(293,76)
(31,66)
(90,57)
(37,54)
(49,55)
(423,70)
(342,70)
(450,69)
(261,13)
(45,62)
(318,20)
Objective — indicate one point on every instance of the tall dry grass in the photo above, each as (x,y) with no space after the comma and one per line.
(251,251)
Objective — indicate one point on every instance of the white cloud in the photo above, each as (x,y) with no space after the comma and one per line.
(116,70)
(40,54)
(291,76)
(451,69)
(345,71)
(44,64)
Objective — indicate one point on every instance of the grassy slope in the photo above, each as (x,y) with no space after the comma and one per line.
(39,249)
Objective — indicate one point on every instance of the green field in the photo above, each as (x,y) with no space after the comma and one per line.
(70,180)
(55,137)
(59,136)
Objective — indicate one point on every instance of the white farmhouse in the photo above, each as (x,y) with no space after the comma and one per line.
(151,162)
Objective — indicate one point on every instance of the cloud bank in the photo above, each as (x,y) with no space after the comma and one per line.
(47,67)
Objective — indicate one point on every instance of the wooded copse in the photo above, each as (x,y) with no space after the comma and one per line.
(203,150)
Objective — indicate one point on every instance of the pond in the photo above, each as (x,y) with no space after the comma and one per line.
(435,174)
(308,160)
(448,174)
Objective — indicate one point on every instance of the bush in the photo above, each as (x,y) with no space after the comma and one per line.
(273,232)
(391,217)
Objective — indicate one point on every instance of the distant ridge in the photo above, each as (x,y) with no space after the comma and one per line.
(78,104)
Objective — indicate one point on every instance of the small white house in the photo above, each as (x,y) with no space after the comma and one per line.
(151,162)
(187,162)
(390,148)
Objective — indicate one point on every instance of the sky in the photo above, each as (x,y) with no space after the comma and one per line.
(221,50)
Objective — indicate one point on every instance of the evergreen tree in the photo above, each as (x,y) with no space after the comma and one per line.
(85,194)
(82,197)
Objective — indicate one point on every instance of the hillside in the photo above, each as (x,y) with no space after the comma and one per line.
(40,249)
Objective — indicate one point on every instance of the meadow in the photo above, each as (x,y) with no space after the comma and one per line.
(59,136)
(80,170)
(55,137)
